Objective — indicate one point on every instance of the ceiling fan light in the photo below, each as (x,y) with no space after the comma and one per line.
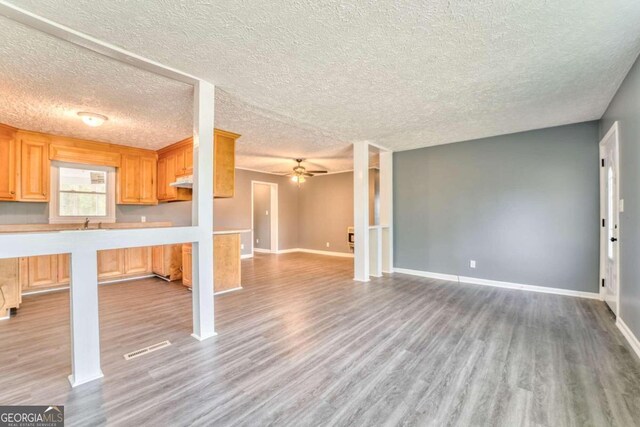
(298,178)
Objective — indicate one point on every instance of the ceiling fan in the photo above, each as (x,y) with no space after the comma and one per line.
(300,173)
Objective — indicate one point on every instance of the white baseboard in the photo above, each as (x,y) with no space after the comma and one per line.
(317,252)
(262,251)
(498,284)
(245,256)
(628,334)
(428,274)
(288,251)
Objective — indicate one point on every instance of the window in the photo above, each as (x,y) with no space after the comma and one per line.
(82,191)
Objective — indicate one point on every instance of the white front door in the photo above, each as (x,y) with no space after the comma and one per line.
(609,206)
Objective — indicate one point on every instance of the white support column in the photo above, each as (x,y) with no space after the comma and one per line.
(386,209)
(85,321)
(202,211)
(361,210)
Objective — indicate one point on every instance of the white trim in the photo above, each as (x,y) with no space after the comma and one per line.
(7,314)
(317,252)
(246,256)
(226,291)
(288,251)
(261,251)
(603,230)
(259,171)
(55,218)
(628,334)
(499,284)
(273,219)
(428,274)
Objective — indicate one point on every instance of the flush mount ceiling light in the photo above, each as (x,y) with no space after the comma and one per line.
(92,119)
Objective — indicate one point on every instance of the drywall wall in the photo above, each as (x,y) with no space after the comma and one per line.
(261,216)
(326,210)
(523,206)
(625,109)
(236,212)
(24,213)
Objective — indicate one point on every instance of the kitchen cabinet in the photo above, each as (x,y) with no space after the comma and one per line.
(8,163)
(167,261)
(137,260)
(227,260)
(110,264)
(136,180)
(64,269)
(186,265)
(225,163)
(177,160)
(42,272)
(34,167)
(167,173)
(9,285)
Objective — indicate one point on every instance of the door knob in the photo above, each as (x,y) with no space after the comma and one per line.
(613,239)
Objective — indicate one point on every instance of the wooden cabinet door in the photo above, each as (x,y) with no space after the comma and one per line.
(186,265)
(34,169)
(8,162)
(157,260)
(137,260)
(10,282)
(180,165)
(224,173)
(110,263)
(170,176)
(188,160)
(129,180)
(42,271)
(162,179)
(64,278)
(148,178)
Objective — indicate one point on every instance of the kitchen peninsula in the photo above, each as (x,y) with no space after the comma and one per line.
(226,260)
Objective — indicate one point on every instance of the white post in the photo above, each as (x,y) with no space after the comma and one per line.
(85,321)
(202,211)
(361,210)
(386,209)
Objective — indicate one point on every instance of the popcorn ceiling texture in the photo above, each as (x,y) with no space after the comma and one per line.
(310,76)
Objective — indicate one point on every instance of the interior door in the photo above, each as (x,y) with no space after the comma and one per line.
(609,253)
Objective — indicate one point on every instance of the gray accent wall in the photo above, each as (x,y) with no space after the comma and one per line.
(523,206)
(625,108)
(261,216)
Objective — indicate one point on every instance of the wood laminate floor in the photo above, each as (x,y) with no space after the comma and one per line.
(303,344)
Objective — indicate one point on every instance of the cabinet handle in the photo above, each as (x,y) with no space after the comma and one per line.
(12,192)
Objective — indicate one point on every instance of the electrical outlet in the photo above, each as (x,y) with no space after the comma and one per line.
(242,246)
(143,219)
(472,263)
(257,240)
(328,244)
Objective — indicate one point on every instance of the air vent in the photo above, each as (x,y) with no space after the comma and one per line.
(146,350)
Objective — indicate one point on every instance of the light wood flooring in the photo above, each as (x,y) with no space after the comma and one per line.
(303,344)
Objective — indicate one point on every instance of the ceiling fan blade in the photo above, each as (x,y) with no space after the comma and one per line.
(306,174)
(317,171)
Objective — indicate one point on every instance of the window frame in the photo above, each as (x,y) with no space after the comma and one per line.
(54,214)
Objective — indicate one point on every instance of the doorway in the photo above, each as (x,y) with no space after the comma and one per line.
(264,217)
(610,214)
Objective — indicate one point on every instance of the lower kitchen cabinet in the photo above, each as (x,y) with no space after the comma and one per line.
(167,261)
(114,264)
(9,285)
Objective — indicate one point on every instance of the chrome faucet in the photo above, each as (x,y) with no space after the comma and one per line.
(86,224)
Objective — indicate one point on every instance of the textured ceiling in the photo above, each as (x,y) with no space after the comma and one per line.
(313,75)
(46,82)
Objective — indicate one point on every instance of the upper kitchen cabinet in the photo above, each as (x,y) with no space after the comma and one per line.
(225,163)
(137,179)
(34,167)
(176,160)
(8,163)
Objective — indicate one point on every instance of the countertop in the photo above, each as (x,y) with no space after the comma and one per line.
(31,228)
(222,230)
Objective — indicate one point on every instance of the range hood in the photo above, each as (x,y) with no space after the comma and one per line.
(185,181)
